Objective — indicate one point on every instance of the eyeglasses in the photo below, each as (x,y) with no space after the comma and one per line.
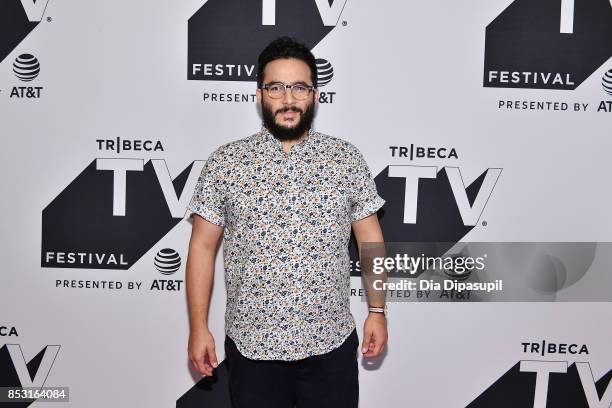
(298,91)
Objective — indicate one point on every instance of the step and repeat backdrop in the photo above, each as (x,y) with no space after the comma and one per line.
(488,121)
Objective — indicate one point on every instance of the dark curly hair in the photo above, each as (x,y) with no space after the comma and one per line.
(286,47)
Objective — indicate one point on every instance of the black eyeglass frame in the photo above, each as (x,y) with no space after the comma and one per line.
(310,89)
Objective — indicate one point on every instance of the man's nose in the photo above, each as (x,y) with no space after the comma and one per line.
(288,96)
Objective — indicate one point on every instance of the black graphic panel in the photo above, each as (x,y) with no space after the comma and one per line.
(14,26)
(9,377)
(526,38)
(438,217)
(210,392)
(516,389)
(230,32)
(80,220)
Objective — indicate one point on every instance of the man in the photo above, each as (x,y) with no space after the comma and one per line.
(284,200)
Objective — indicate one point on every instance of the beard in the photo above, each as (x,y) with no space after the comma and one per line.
(283,132)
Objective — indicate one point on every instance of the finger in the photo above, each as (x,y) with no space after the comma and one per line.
(374,347)
(379,345)
(212,356)
(199,366)
(206,368)
(194,362)
(209,357)
(365,344)
(370,351)
(377,348)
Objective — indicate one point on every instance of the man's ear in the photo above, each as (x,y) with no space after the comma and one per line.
(316,95)
(258,95)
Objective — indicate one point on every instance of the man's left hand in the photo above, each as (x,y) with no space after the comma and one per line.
(374,335)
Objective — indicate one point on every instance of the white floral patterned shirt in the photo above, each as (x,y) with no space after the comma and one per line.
(287,223)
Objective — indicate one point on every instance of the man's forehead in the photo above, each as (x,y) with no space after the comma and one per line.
(287,70)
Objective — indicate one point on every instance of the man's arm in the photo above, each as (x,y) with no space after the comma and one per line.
(375,327)
(203,246)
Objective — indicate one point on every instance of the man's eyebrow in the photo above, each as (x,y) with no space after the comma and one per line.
(291,83)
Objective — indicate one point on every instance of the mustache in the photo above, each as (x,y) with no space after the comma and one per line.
(289,109)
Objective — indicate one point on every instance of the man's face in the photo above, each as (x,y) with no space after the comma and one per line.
(287,118)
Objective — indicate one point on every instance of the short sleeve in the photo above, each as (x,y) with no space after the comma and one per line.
(208,199)
(364,197)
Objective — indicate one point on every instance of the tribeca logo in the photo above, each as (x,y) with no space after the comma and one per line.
(17,19)
(226,36)
(122,206)
(543,348)
(545,44)
(119,145)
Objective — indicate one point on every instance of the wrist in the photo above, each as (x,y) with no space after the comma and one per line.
(198,329)
(378,310)
(377,316)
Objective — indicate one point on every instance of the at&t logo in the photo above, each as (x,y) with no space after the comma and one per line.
(26,68)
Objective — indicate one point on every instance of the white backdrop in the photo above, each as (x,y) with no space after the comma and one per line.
(404,73)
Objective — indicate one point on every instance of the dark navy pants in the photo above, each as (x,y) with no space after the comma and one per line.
(324,381)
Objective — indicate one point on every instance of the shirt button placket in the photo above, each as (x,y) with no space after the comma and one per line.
(295,218)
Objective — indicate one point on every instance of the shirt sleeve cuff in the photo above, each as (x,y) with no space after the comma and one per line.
(369,208)
(206,213)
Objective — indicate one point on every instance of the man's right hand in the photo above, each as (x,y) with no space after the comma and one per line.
(202,351)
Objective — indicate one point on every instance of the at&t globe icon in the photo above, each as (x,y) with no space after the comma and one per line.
(606,82)
(167,261)
(26,67)
(325,71)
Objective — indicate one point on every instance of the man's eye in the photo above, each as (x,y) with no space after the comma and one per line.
(275,88)
(300,88)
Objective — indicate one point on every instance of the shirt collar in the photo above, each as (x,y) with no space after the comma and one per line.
(274,144)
